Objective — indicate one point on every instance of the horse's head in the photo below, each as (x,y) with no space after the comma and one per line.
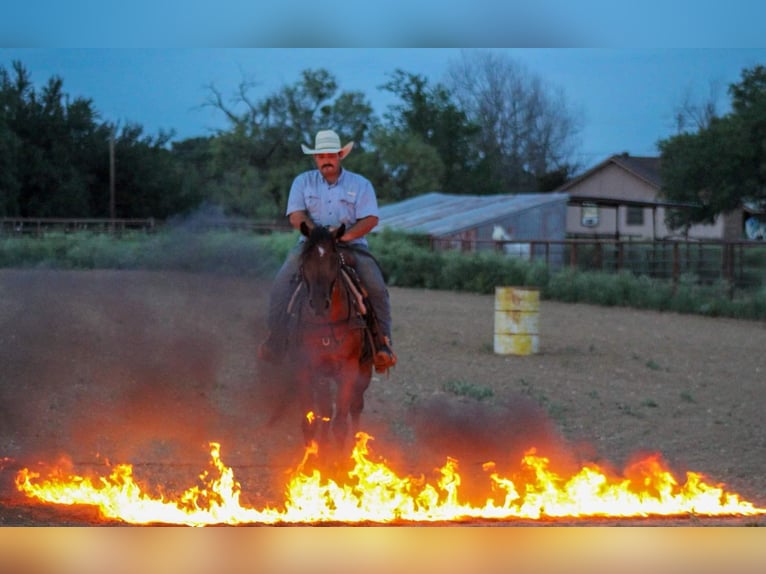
(320,265)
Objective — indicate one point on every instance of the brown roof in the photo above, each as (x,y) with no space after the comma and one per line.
(647,168)
(643,167)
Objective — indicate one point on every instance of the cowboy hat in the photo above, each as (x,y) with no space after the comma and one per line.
(327,141)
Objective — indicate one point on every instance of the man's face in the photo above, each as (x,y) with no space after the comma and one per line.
(329,165)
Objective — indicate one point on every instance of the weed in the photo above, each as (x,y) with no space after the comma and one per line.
(628,410)
(411,398)
(466,389)
(686,396)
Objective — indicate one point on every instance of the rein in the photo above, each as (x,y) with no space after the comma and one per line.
(350,289)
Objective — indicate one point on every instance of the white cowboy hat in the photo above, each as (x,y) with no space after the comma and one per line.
(327,141)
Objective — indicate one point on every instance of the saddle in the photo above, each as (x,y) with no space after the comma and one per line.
(374,339)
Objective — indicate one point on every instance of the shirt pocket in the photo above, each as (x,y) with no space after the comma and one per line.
(314,206)
(346,211)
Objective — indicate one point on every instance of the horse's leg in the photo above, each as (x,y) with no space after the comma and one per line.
(357,399)
(344,396)
(323,406)
(306,402)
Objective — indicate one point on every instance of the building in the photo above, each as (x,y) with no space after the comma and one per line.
(473,222)
(619,198)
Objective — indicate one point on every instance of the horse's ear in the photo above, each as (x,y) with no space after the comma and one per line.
(305,228)
(340,231)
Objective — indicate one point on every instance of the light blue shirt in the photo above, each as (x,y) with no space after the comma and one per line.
(349,199)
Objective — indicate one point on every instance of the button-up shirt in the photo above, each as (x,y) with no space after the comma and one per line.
(347,200)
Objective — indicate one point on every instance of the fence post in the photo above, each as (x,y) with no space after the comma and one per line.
(730,268)
(599,257)
(620,255)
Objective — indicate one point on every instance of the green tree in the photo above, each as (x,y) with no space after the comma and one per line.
(257,157)
(193,158)
(723,164)
(54,157)
(47,135)
(407,166)
(148,181)
(9,161)
(428,116)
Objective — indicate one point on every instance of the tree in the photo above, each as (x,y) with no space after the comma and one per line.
(9,161)
(526,129)
(427,115)
(257,158)
(690,115)
(408,166)
(723,164)
(148,179)
(47,135)
(54,157)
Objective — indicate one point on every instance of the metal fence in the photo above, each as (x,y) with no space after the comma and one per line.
(741,264)
(39,226)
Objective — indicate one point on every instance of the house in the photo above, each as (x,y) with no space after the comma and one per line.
(473,222)
(619,198)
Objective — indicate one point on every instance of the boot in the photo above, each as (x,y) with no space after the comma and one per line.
(385,358)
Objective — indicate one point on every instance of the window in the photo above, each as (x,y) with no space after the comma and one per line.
(635,216)
(589,215)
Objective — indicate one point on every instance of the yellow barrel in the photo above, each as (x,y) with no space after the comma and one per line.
(517,320)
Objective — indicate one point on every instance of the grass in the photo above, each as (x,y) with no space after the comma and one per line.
(654,366)
(467,389)
(687,397)
(405,263)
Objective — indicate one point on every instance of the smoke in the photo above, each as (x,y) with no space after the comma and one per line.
(475,432)
(201,242)
(128,366)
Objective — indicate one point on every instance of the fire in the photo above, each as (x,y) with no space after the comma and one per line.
(375,493)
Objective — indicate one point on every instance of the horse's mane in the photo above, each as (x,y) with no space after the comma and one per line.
(318,235)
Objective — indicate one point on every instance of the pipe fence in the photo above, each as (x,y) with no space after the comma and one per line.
(741,264)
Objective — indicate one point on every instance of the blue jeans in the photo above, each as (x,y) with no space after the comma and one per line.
(366,267)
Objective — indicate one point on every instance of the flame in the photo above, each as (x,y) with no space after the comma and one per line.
(375,493)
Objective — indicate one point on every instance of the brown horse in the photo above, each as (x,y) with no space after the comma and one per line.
(330,351)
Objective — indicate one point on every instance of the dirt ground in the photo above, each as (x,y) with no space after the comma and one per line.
(148,367)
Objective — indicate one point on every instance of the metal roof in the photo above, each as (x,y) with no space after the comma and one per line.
(438,214)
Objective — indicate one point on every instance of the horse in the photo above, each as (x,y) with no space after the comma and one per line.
(330,350)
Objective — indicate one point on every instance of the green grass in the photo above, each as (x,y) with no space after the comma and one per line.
(467,389)
(406,262)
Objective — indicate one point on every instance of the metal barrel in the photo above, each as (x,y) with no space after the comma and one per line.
(517,312)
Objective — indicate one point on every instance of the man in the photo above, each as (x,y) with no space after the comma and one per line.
(330,195)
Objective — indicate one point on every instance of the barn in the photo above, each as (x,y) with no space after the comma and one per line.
(474,222)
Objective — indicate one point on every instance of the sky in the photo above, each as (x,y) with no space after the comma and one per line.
(625,97)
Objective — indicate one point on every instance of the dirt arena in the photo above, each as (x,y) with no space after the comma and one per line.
(148,367)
